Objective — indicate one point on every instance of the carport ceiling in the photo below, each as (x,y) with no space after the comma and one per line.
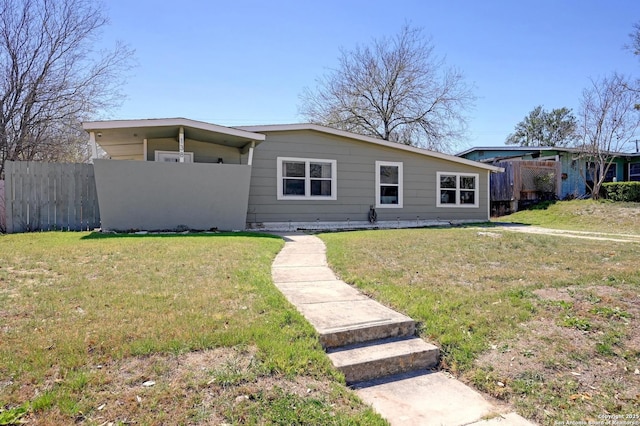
(126,132)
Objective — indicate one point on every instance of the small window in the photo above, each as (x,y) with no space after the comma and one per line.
(302,179)
(457,189)
(388,184)
(612,172)
(634,172)
(173,157)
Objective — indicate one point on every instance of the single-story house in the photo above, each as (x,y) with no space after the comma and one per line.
(166,174)
(625,166)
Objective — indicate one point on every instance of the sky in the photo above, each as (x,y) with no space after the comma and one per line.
(240,62)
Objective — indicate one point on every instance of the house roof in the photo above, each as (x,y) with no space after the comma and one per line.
(540,149)
(368,139)
(519,149)
(121,137)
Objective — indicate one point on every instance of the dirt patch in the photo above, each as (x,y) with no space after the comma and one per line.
(584,339)
(569,294)
(196,388)
(553,294)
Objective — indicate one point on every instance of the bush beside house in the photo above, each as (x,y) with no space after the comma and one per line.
(622,191)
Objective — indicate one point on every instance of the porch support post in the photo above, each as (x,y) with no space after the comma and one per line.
(250,159)
(144,149)
(94,147)
(181,144)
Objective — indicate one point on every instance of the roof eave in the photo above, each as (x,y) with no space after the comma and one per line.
(95,126)
(381,142)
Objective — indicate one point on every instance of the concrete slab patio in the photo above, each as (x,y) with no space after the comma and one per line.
(354,327)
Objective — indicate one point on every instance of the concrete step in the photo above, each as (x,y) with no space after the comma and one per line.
(381,358)
(372,327)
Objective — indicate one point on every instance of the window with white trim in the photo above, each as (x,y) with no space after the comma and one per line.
(457,189)
(634,172)
(173,156)
(306,178)
(389,178)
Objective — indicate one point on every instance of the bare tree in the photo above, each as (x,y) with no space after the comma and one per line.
(608,123)
(397,90)
(634,47)
(51,77)
(635,39)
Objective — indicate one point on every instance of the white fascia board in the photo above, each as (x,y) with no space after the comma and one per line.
(519,149)
(168,122)
(381,142)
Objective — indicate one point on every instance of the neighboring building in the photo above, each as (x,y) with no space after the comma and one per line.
(570,166)
(276,177)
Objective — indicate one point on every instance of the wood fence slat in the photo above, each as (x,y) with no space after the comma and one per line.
(95,210)
(27,190)
(57,196)
(39,218)
(64,196)
(71,191)
(76,224)
(93,191)
(84,175)
(21,205)
(48,199)
(9,183)
(37,207)
(53,198)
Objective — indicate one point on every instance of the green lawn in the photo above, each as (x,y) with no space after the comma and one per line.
(582,215)
(550,325)
(158,329)
(189,329)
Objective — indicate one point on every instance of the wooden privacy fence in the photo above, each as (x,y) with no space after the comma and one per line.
(523,180)
(522,183)
(50,196)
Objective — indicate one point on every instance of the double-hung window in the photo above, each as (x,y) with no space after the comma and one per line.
(634,172)
(457,189)
(305,178)
(388,184)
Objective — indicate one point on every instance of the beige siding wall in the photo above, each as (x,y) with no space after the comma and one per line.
(203,152)
(356,182)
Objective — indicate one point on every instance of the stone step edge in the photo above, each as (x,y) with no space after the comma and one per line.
(367,333)
(394,356)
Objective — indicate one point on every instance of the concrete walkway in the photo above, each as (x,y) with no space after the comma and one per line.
(343,316)
(586,235)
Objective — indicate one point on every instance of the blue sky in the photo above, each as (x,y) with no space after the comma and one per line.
(246,62)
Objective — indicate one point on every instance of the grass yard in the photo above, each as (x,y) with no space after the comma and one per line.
(582,215)
(174,329)
(550,325)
